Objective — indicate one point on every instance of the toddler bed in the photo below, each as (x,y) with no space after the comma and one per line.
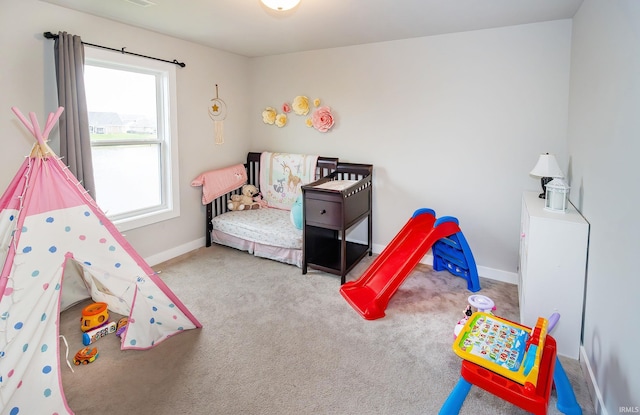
(267,232)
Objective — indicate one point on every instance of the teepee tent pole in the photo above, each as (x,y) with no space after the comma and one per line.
(34,127)
(51,121)
(24,120)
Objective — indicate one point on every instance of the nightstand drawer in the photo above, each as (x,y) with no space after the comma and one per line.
(322,212)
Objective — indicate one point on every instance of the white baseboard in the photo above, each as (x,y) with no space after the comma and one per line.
(594,390)
(175,252)
(484,272)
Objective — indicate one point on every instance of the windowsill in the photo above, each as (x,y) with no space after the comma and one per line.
(146,219)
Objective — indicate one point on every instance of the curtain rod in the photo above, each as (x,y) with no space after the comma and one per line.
(50,35)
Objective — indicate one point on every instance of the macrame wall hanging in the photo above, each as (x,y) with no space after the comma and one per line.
(218,112)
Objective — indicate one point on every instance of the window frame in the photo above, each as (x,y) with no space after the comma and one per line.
(167,129)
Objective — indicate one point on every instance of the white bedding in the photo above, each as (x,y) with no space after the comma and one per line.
(286,255)
(266,226)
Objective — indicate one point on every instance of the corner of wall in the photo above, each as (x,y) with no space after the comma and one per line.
(592,384)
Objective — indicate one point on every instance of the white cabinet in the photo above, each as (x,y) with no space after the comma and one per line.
(552,269)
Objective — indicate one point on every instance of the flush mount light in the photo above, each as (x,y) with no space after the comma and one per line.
(141,3)
(280,5)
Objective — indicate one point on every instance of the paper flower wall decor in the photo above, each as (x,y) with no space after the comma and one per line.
(301,105)
(321,116)
(269,115)
(322,119)
(281,120)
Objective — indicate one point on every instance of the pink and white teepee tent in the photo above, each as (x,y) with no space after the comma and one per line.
(46,220)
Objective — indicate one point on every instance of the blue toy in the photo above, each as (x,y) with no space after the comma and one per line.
(296,213)
(454,255)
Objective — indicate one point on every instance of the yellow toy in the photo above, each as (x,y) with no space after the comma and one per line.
(502,346)
(85,356)
(94,315)
(245,201)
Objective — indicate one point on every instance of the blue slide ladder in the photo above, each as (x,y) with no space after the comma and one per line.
(454,255)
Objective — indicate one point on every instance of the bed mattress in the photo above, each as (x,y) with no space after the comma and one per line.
(266,232)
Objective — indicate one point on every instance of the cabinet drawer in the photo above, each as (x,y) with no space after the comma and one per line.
(322,212)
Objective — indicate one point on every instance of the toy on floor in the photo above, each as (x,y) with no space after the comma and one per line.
(460,324)
(370,294)
(85,355)
(506,348)
(513,362)
(98,333)
(122,326)
(94,315)
(95,323)
(480,303)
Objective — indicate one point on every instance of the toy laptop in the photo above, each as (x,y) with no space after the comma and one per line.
(502,346)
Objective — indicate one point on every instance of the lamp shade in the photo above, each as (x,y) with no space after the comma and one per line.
(280,5)
(547,166)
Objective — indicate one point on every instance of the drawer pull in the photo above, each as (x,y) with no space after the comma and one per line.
(323,211)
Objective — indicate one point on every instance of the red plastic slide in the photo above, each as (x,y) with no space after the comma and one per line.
(370,294)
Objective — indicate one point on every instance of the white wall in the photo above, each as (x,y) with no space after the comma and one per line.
(28,82)
(604,145)
(453,123)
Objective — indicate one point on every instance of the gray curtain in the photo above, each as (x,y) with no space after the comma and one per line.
(75,145)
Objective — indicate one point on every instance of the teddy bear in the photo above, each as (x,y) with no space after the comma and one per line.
(245,200)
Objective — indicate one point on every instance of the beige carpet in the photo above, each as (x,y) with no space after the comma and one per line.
(275,341)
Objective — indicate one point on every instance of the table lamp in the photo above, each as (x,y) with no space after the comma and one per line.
(547,169)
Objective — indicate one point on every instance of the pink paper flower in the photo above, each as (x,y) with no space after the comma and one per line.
(322,119)
(286,108)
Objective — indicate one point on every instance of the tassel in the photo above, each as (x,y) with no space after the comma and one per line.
(219,131)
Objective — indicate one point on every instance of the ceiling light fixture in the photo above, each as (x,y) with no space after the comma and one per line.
(280,5)
(141,3)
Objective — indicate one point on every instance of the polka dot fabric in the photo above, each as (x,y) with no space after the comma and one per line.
(38,241)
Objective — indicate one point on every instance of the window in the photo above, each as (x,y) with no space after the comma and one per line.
(132,121)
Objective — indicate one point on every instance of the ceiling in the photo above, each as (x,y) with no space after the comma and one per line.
(247,28)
